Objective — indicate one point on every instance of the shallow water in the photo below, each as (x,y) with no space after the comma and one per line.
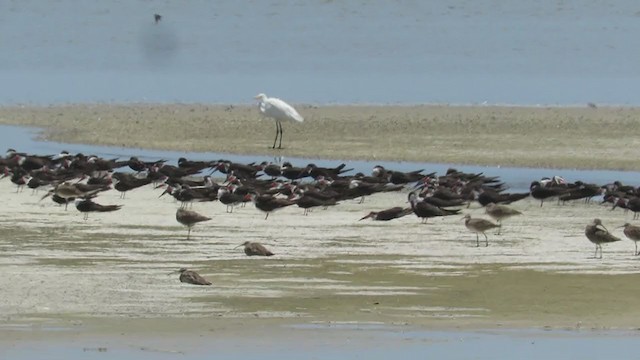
(359,341)
(568,52)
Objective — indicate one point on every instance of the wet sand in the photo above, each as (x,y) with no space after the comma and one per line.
(584,138)
(110,273)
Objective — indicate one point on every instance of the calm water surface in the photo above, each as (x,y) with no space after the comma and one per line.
(364,343)
(515,52)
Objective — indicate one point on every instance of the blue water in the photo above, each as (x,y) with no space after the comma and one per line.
(518,179)
(460,52)
(336,344)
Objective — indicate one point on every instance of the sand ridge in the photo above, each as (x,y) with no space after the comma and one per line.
(551,137)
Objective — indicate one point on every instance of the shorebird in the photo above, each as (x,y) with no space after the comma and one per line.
(479,226)
(307,202)
(191,277)
(632,232)
(424,210)
(189,219)
(541,192)
(388,214)
(255,249)
(268,203)
(157,18)
(69,191)
(86,206)
(598,234)
(499,212)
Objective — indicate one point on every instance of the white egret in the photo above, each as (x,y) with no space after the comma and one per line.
(279,111)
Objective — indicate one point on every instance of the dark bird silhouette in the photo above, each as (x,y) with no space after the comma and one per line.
(268,203)
(425,210)
(542,193)
(87,205)
(157,18)
(388,214)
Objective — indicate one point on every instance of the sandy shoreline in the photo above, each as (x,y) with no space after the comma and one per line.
(330,268)
(554,137)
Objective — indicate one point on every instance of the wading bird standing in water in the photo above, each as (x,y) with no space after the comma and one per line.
(279,111)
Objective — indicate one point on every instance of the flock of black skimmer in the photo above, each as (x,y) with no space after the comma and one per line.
(80,179)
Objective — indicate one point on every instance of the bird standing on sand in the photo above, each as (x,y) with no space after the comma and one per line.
(500,212)
(598,234)
(86,206)
(255,249)
(191,277)
(189,218)
(279,111)
(632,232)
(479,226)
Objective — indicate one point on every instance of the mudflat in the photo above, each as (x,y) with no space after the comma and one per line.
(550,137)
(112,271)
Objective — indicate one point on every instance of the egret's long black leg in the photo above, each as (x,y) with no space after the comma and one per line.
(280,145)
(277,131)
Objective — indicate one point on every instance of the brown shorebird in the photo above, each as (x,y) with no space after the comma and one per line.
(189,218)
(68,191)
(479,226)
(255,249)
(86,206)
(632,232)
(388,214)
(500,212)
(598,234)
(191,277)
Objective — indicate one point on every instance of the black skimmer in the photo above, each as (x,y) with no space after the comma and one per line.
(268,203)
(425,210)
(307,202)
(540,192)
(388,214)
(229,198)
(86,206)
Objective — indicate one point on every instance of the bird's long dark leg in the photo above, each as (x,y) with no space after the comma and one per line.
(477,240)
(188,232)
(280,144)
(277,133)
(486,240)
(266,216)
